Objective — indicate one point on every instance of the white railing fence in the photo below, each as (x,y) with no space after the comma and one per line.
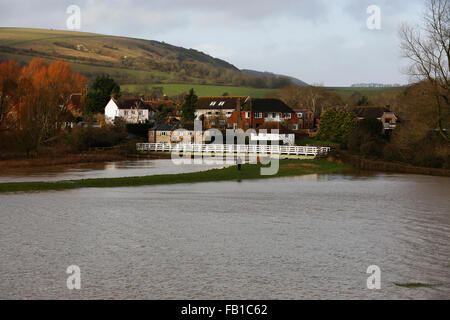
(233,148)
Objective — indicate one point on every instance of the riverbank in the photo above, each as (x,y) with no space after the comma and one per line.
(248,172)
(360,163)
(83,158)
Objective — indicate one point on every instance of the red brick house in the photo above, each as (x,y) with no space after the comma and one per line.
(302,119)
(258,112)
(216,112)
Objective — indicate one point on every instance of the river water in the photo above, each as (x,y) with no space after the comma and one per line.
(117,169)
(311,237)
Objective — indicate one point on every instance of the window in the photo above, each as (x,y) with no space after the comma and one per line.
(287,115)
(258,115)
(299,115)
(125,113)
(222,103)
(212,104)
(229,114)
(141,113)
(247,115)
(133,112)
(209,113)
(295,127)
(217,113)
(150,133)
(274,115)
(163,133)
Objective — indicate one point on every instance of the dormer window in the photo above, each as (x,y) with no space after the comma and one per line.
(221,104)
(212,104)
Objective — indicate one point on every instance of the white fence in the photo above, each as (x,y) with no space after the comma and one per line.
(234,148)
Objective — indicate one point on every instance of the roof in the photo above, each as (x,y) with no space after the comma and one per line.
(164,127)
(302,110)
(270,105)
(219,103)
(154,105)
(370,112)
(131,103)
(172,127)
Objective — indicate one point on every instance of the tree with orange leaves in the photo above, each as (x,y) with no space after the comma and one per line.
(38,95)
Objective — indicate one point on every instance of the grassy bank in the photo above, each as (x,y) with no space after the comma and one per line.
(249,172)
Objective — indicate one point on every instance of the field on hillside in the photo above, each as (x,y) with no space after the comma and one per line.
(200,90)
(346,92)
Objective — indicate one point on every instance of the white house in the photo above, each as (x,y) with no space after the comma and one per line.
(132,110)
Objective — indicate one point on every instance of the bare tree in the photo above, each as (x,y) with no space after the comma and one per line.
(428,47)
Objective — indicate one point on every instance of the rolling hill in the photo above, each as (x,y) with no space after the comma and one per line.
(266,74)
(130,61)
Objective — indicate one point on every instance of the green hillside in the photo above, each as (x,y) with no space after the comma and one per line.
(128,60)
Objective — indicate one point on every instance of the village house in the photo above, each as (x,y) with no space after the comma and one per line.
(384,114)
(215,112)
(174,133)
(132,110)
(257,112)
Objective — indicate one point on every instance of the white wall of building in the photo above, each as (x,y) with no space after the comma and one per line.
(111,111)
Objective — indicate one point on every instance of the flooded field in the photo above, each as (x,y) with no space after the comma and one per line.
(311,237)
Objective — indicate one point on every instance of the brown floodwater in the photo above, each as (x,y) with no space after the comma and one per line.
(311,237)
(131,168)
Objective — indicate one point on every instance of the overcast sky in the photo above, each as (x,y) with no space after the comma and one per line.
(318,41)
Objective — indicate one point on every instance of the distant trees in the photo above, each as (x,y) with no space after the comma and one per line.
(102,89)
(189,106)
(336,126)
(315,98)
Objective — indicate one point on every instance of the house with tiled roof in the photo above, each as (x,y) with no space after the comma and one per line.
(132,110)
(215,112)
(302,119)
(174,133)
(384,114)
(259,111)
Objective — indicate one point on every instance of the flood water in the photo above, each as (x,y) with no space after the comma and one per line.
(311,237)
(131,168)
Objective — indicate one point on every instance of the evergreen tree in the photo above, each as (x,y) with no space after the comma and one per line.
(335,126)
(189,106)
(100,92)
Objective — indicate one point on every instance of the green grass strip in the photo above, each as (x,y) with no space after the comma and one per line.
(248,172)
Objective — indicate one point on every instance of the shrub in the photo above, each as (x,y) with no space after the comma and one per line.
(85,138)
(139,129)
